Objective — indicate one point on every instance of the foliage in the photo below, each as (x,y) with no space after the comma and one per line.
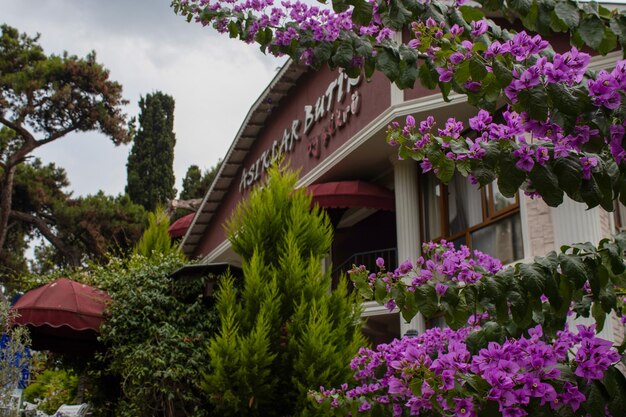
(150,170)
(155,334)
(51,389)
(156,240)
(80,228)
(457,283)
(14,353)
(502,306)
(283,332)
(42,99)
(196,184)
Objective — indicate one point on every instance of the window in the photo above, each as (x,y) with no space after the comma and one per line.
(465,214)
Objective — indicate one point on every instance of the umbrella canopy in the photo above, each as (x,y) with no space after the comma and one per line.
(351,194)
(63,315)
(180,226)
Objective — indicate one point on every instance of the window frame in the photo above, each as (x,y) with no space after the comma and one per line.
(444,221)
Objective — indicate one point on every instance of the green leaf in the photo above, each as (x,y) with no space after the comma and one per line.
(477,69)
(574,269)
(388,63)
(532,278)
(618,26)
(609,42)
(462,72)
(591,31)
(510,179)
(534,102)
(426,77)
(340,5)
(408,75)
(590,192)
(521,6)
(597,398)
(502,72)
(568,13)
(599,315)
(471,14)
(546,183)
(444,165)
(569,173)
(564,100)
(362,11)
(615,384)
(380,291)
(343,55)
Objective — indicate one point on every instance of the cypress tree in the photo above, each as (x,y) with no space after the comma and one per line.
(283,331)
(150,171)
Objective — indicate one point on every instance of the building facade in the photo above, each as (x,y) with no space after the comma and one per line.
(332,128)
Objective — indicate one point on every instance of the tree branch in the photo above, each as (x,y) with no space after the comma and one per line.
(72,257)
(21,130)
(56,135)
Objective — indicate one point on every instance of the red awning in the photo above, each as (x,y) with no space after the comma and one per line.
(63,316)
(352,194)
(180,226)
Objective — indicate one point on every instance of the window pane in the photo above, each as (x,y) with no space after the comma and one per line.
(459,241)
(502,240)
(500,202)
(431,193)
(464,204)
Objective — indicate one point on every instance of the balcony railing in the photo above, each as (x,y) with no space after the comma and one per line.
(369,260)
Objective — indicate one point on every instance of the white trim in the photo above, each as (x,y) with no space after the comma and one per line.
(372,308)
(215,253)
(607,61)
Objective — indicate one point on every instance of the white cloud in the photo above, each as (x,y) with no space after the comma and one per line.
(146,47)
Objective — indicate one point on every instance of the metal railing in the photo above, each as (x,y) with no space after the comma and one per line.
(369,260)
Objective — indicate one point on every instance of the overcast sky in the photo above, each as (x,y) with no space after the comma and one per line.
(146,47)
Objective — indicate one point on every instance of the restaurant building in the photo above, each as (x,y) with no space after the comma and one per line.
(332,128)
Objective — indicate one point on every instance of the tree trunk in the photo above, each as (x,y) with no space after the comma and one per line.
(6,197)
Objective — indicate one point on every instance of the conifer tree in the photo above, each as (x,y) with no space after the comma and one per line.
(150,171)
(283,331)
(156,240)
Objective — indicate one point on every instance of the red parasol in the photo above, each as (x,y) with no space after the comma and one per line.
(63,315)
(180,226)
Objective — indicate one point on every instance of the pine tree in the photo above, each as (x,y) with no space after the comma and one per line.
(150,171)
(283,331)
(196,184)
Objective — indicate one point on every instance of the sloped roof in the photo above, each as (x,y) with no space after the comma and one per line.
(247,134)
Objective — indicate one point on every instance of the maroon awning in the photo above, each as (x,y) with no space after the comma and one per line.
(63,315)
(180,226)
(352,194)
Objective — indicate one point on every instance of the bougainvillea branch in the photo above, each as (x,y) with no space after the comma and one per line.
(582,280)
(437,374)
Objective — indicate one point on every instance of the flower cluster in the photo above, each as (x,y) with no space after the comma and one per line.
(435,371)
(530,142)
(441,265)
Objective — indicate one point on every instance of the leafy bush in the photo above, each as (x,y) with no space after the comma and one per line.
(51,389)
(155,333)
